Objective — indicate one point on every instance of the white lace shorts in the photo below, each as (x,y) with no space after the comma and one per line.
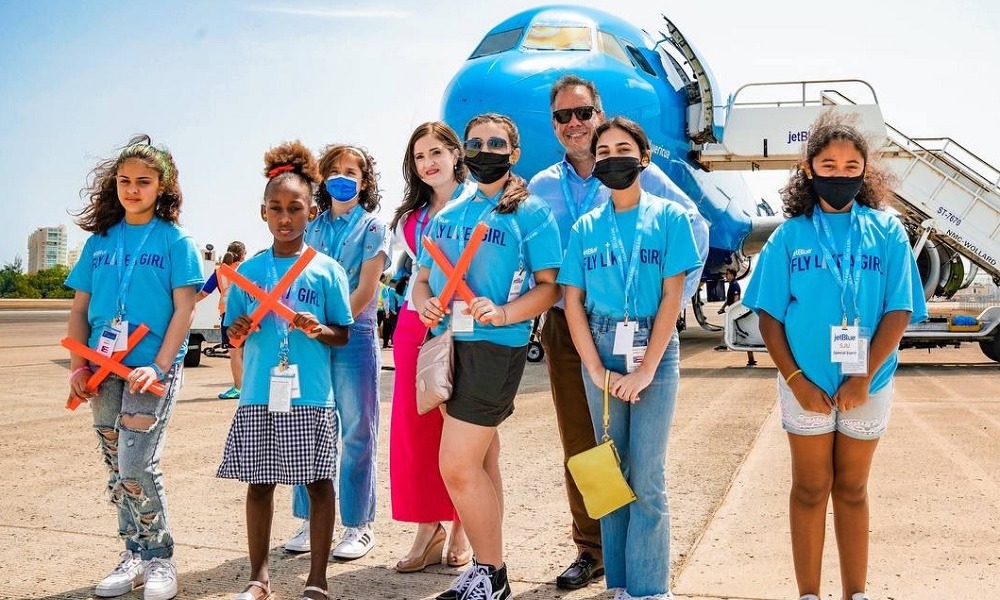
(866,422)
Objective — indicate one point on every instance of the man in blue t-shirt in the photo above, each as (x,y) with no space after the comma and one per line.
(571,191)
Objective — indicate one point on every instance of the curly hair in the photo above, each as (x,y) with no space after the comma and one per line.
(798,196)
(105,209)
(417,193)
(368,196)
(290,161)
(516,189)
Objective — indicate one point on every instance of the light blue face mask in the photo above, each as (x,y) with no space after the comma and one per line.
(342,188)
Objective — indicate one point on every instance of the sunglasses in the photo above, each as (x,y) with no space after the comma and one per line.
(474,146)
(583,113)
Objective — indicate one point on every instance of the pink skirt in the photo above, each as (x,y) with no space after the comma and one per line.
(417,490)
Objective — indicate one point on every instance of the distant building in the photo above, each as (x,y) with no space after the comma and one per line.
(47,248)
(74,255)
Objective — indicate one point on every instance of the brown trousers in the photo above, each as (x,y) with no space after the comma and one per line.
(573,418)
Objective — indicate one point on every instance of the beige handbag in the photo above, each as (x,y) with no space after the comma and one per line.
(598,472)
(435,369)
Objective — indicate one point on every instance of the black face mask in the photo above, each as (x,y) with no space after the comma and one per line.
(618,172)
(838,192)
(488,167)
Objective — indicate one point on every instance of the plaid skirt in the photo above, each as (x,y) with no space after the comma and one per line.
(293,448)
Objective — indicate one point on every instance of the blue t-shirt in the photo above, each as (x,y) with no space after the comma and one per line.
(321,289)
(528,236)
(792,284)
(351,239)
(596,264)
(548,185)
(168,260)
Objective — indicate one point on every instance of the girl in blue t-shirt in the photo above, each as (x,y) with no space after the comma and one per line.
(624,279)
(138,268)
(349,232)
(835,288)
(491,333)
(285,429)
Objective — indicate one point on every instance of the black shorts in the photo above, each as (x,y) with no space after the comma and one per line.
(223,332)
(487,376)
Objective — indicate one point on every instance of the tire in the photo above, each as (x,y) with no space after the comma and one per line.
(193,356)
(535,352)
(991,347)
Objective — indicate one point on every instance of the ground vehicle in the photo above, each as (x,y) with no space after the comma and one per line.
(206,327)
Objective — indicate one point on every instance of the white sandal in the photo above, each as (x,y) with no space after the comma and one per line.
(312,588)
(248,594)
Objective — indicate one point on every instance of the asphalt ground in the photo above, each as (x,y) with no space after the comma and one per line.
(935,486)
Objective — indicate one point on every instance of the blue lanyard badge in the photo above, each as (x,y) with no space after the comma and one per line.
(125,273)
(422,220)
(486,214)
(619,248)
(847,279)
(572,208)
(281,327)
(323,232)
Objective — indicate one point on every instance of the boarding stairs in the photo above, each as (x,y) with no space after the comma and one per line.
(947,197)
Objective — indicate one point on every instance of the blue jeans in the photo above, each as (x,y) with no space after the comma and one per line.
(636,537)
(355,370)
(132,457)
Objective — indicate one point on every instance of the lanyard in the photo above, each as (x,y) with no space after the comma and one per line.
(847,279)
(125,273)
(571,205)
(490,203)
(619,247)
(422,220)
(336,249)
(281,327)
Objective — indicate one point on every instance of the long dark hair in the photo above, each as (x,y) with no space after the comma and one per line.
(368,195)
(105,210)
(515,191)
(628,126)
(417,193)
(798,196)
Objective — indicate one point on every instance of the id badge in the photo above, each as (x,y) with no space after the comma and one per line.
(279,398)
(461,322)
(624,336)
(634,358)
(844,344)
(515,285)
(122,342)
(107,341)
(291,371)
(859,367)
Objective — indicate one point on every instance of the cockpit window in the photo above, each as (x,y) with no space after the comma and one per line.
(609,45)
(495,43)
(546,37)
(640,59)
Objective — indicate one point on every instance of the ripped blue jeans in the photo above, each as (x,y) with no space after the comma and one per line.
(132,456)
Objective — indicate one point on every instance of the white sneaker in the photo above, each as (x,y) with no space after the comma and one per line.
(809,597)
(621,594)
(357,542)
(299,542)
(161,579)
(126,577)
(859,596)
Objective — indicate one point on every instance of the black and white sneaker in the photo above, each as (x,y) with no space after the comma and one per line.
(489,585)
(462,583)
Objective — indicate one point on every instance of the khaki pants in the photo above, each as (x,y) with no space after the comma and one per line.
(573,418)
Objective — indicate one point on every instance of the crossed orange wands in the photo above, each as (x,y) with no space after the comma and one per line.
(269,302)
(109,364)
(456,282)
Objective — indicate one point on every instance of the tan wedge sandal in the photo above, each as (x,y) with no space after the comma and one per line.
(247,593)
(312,588)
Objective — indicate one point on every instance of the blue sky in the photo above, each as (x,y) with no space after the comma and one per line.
(220,82)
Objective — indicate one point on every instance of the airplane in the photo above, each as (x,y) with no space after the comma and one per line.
(514,66)
(949,199)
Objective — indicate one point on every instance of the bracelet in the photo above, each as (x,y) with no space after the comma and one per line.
(792,376)
(75,371)
(157,370)
(503,309)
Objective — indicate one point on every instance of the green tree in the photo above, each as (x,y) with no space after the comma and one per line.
(11,273)
(49,282)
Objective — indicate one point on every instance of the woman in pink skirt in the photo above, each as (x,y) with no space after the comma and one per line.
(435,174)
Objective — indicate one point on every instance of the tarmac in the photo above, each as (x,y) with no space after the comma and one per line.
(935,486)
